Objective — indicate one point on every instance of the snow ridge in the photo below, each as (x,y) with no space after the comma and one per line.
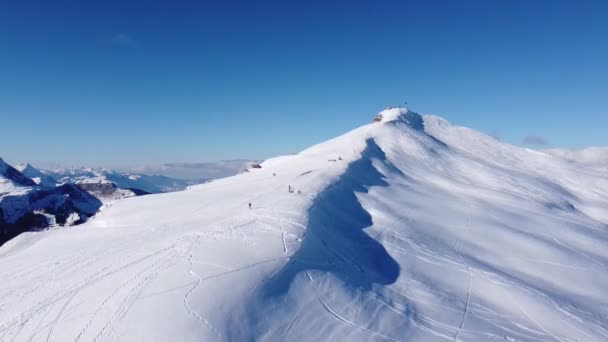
(36,175)
(406,229)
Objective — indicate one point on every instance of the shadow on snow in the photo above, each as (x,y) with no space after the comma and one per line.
(335,241)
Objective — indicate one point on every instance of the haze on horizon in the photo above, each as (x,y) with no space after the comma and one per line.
(118,84)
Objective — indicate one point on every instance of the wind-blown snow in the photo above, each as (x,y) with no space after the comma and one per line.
(408,229)
(593,156)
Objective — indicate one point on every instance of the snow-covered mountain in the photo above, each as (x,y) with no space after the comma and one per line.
(406,229)
(11,179)
(26,205)
(36,175)
(107,183)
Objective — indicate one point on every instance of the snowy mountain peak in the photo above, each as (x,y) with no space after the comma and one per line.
(401,115)
(23,166)
(11,174)
(36,175)
(27,168)
(405,229)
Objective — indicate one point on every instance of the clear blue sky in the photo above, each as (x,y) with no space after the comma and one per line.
(117,84)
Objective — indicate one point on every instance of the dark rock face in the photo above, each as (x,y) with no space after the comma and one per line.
(81,201)
(103,189)
(60,202)
(138,192)
(36,207)
(28,222)
(14,175)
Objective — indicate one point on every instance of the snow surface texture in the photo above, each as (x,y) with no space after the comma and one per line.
(408,229)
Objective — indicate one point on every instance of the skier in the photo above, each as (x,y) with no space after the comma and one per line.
(249,206)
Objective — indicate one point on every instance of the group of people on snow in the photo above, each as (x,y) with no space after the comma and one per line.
(291,189)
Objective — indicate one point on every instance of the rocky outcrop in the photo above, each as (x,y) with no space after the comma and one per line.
(38,208)
(27,206)
(11,174)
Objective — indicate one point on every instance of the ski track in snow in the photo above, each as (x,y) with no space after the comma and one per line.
(187,305)
(468,296)
(466,308)
(70,294)
(126,303)
(342,319)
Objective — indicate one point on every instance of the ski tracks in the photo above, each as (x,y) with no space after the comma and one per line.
(189,293)
(110,328)
(339,317)
(164,257)
(280,222)
(467,306)
(468,296)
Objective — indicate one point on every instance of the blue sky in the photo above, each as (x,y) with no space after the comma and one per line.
(116,84)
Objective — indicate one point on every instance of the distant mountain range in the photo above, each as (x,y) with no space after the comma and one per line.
(29,204)
(36,175)
(33,198)
(148,184)
(196,171)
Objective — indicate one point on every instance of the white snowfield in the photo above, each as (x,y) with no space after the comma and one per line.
(408,229)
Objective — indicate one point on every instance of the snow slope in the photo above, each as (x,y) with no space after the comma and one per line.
(408,229)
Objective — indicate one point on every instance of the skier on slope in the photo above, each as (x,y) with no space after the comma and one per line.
(250,206)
